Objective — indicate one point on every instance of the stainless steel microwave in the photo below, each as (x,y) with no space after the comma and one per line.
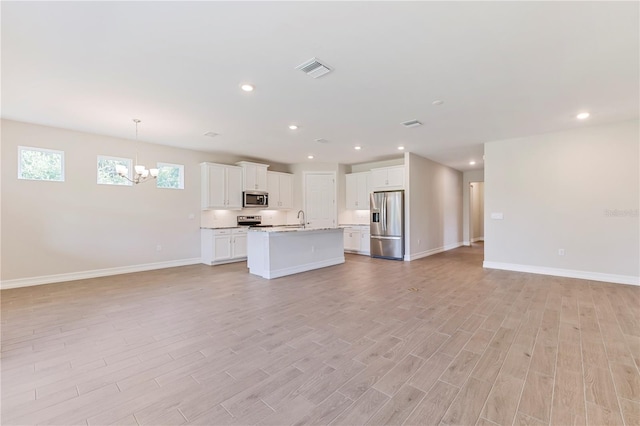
(255,199)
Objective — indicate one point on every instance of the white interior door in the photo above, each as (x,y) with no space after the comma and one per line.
(320,200)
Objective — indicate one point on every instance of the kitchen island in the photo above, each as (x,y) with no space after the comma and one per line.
(279,251)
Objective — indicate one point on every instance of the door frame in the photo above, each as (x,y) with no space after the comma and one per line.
(472,196)
(335,192)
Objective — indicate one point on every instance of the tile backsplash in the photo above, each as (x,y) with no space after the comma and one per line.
(223,218)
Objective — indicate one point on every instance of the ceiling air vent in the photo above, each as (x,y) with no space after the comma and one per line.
(314,68)
(211,134)
(412,123)
(321,140)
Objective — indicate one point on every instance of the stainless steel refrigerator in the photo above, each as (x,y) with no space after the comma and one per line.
(387,224)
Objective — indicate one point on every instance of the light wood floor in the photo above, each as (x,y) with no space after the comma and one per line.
(434,341)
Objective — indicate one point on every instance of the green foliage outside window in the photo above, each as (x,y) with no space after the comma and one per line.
(41,164)
(170,176)
(107,170)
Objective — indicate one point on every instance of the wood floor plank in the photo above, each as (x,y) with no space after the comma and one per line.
(460,368)
(466,407)
(427,375)
(398,375)
(364,380)
(363,409)
(536,396)
(398,408)
(435,403)
(630,411)
(568,399)
(502,404)
(328,410)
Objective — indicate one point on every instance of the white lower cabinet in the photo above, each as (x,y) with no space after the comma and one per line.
(219,246)
(351,240)
(356,239)
(365,242)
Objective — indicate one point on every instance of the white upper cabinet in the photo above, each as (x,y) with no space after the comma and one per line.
(221,186)
(358,190)
(254,176)
(387,178)
(280,188)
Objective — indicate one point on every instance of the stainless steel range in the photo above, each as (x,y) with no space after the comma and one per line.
(251,221)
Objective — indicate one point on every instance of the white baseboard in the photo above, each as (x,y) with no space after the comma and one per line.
(95,273)
(303,268)
(431,252)
(476,239)
(569,273)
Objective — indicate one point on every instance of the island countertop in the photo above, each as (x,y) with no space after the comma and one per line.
(292,228)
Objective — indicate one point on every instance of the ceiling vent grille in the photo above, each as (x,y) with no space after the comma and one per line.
(314,68)
(412,123)
(211,134)
(322,140)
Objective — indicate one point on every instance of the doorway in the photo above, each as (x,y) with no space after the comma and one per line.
(476,212)
(320,199)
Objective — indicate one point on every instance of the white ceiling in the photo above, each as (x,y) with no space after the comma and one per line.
(503,69)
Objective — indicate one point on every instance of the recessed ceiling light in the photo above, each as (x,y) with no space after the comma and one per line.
(472,163)
(437,102)
(401,148)
(310,157)
(357,147)
(582,115)
(293,126)
(247,87)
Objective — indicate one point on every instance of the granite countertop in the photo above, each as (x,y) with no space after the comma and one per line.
(291,228)
(223,227)
(353,224)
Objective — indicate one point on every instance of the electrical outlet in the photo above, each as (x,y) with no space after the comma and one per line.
(419,241)
(192,216)
(313,249)
(158,247)
(560,252)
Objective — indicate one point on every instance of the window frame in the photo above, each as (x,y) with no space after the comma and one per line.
(110,157)
(22,148)
(159,165)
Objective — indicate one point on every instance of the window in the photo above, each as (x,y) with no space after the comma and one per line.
(40,164)
(170,176)
(107,170)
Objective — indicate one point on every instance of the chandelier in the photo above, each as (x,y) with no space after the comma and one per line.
(141,173)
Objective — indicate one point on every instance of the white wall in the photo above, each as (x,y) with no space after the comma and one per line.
(434,203)
(365,167)
(77,226)
(555,191)
(477,211)
(467,178)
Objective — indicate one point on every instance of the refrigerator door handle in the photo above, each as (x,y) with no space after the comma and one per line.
(384,212)
(377,237)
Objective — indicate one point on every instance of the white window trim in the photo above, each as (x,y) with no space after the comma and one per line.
(180,166)
(22,148)
(129,169)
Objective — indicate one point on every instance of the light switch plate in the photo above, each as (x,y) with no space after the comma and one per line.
(497,216)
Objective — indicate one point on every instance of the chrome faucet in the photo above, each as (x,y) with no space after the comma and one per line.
(304,222)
